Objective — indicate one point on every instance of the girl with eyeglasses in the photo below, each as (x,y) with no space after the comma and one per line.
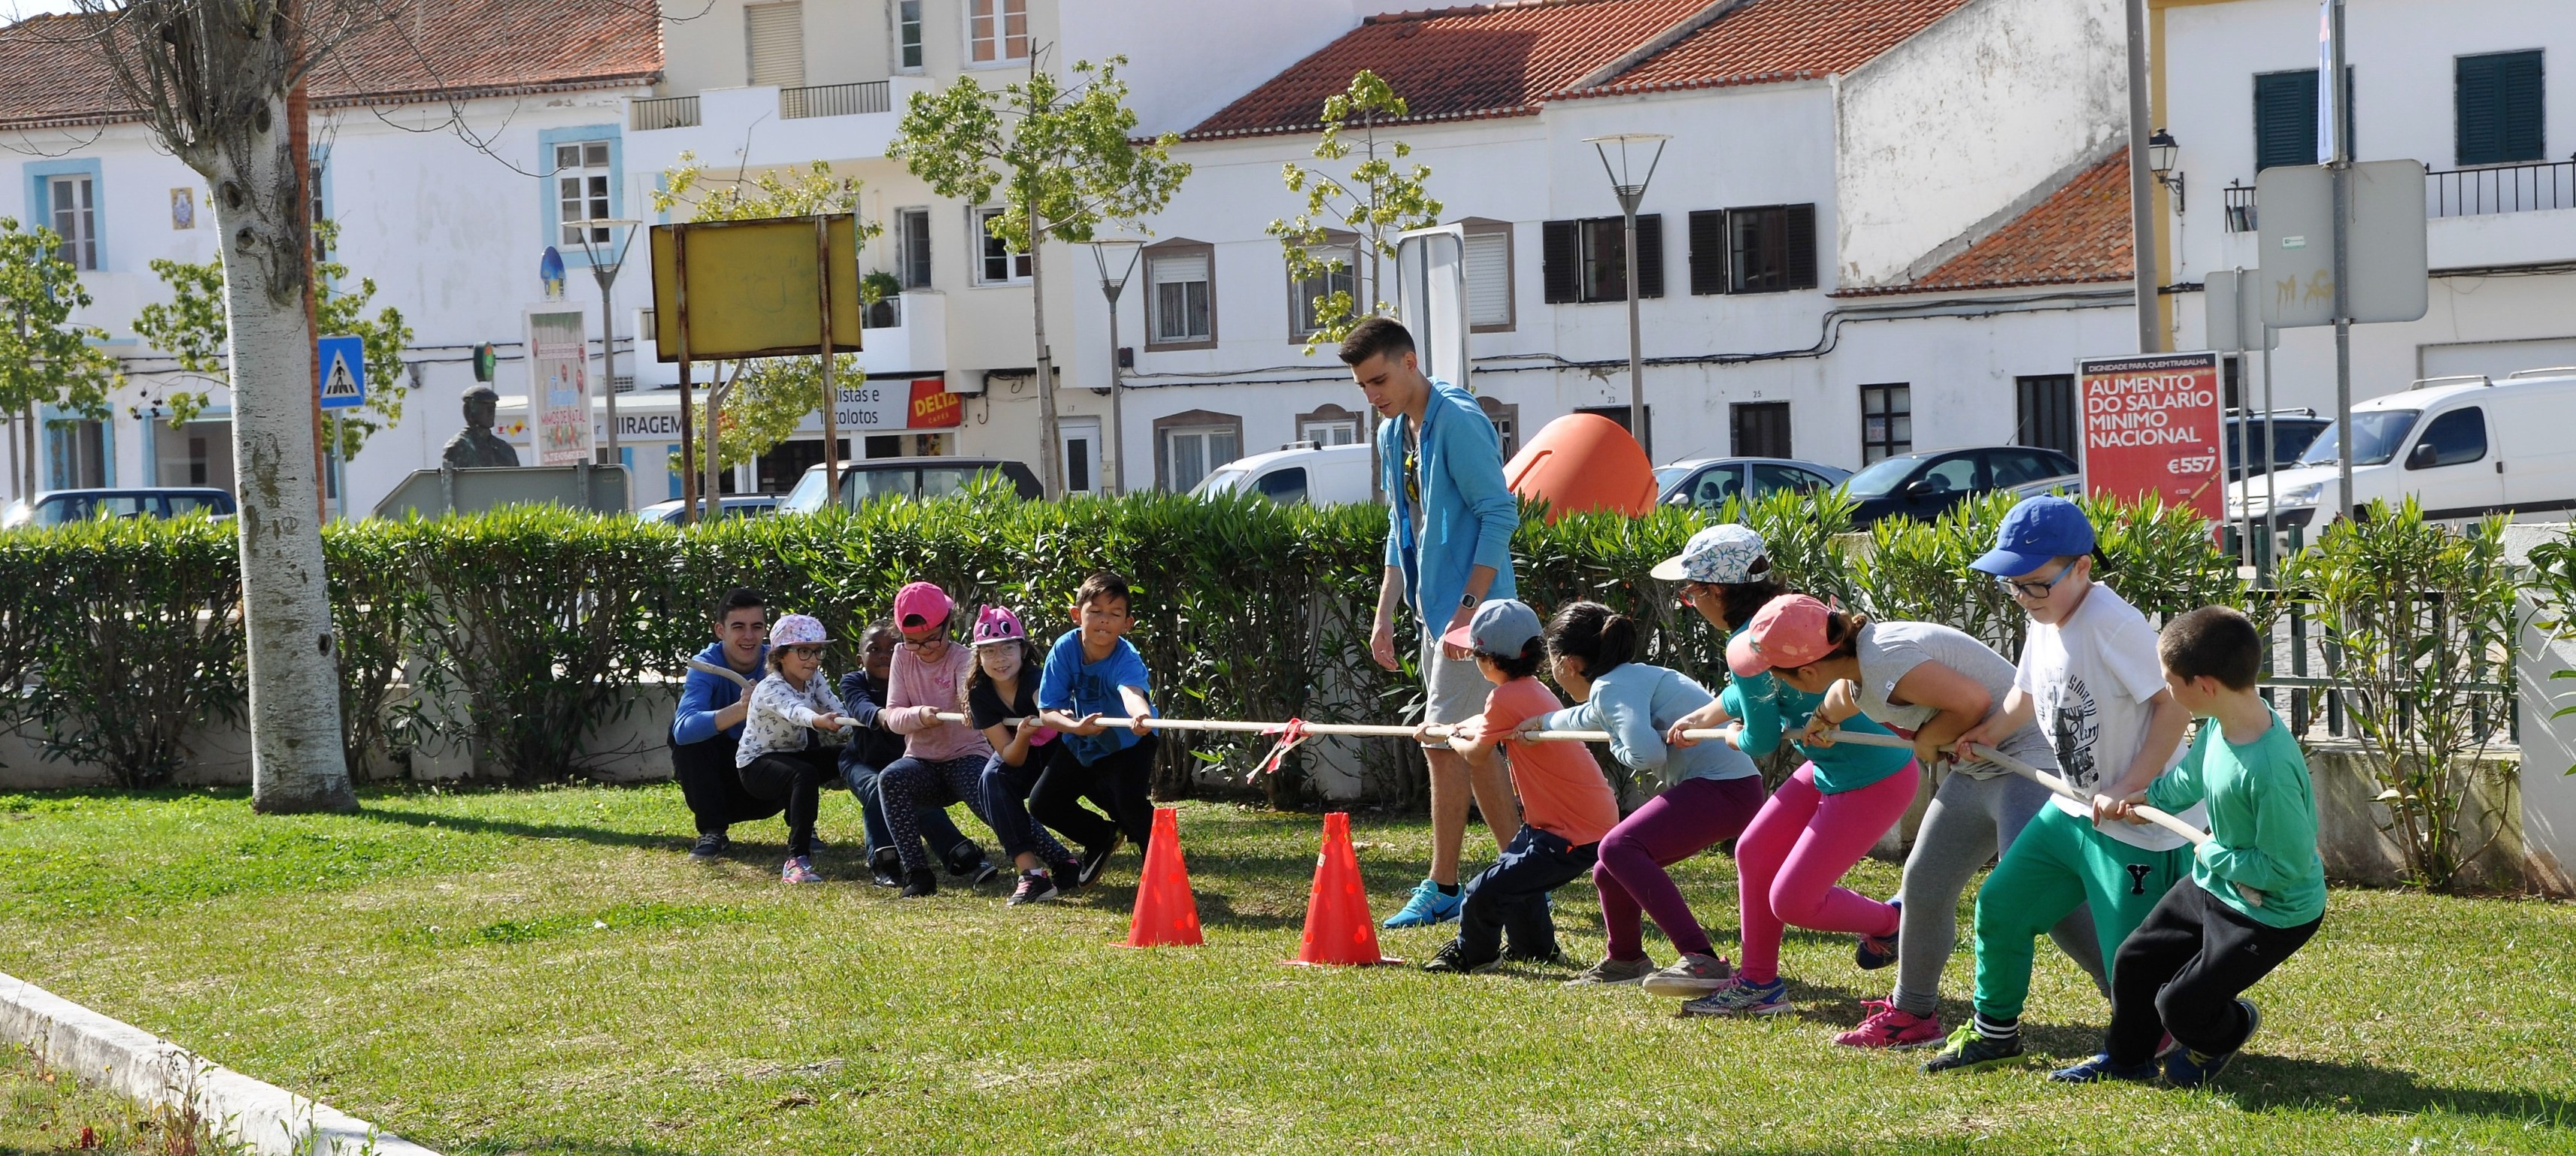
(779,760)
(942,761)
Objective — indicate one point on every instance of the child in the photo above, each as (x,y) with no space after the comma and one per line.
(1091,671)
(1936,682)
(1710,792)
(941,759)
(2088,675)
(1566,804)
(871,749)
(1002,702)
(778,760)
(2258,888)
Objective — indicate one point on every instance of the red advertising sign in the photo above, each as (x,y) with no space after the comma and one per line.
(933,407)
(2151,425)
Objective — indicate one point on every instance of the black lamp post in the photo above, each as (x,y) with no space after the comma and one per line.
(1630,186)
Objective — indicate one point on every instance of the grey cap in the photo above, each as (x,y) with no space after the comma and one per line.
(1502,626)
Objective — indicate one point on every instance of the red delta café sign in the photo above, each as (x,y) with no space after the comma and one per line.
(2151,425)
(933,407)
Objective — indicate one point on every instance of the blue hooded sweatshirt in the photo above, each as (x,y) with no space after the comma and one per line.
(1467,512)
(694,721)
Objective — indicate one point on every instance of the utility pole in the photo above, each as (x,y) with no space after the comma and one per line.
(2339,161)
(2142,219)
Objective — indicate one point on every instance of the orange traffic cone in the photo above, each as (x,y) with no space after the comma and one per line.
(1339,929)
(1167,914)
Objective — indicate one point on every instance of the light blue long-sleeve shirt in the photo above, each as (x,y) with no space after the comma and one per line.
(1468,514)
(1637,703)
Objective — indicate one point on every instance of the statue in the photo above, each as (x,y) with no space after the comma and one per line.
(476,444)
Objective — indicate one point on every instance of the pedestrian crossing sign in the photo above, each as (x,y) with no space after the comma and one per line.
(341,364)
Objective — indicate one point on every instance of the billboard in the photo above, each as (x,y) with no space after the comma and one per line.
(559,385)
(749,289)
(2151,425)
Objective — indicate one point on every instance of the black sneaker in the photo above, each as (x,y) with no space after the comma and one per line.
(1095,858)
(1067,875)
(922,882)
(966,862)
(1452,957)
(1035,887)
(886,870)
(711,845)
(1875,952)
(1553,954)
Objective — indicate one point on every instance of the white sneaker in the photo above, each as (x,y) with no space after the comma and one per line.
(1691,975)
(1611,972)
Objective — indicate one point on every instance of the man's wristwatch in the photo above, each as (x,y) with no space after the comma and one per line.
(1466,602)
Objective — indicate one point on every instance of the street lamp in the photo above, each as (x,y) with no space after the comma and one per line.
(2161,151)
(1631,188)
(605,269)
(1106,253)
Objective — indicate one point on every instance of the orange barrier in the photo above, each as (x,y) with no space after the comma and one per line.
(1340,932)
(1167,913)
(1583,462)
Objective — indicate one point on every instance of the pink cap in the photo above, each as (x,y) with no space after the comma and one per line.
(798,630)
(997,624)
(1788,631)
(921,604)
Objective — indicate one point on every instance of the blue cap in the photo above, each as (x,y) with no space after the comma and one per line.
(1501,626)
(2036,531)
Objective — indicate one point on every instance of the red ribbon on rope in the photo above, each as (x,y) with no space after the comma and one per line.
(1292,734)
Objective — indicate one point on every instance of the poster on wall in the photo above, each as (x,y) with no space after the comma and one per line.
(559,385)
(2151,425)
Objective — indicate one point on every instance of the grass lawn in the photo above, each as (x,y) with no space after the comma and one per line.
(546,972)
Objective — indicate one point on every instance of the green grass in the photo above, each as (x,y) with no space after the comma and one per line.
(545,972)
(44,1109)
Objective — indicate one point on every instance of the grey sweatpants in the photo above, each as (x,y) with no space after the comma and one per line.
(1971,821)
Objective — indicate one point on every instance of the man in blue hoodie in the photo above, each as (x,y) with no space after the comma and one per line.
(707,725)
(1450,520)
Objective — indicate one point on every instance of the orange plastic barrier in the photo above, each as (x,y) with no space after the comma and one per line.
(1583,462)
(1340,932)
(1167,913)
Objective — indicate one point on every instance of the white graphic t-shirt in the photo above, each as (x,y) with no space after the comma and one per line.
(2090,678)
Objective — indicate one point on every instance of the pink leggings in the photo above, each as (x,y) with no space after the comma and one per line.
(1788,860)
(1689,817)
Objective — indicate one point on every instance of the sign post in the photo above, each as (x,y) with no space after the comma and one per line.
(2151,425)
(340,373)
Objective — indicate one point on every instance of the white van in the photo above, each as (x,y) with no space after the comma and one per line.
(1299,472)
(2463,447)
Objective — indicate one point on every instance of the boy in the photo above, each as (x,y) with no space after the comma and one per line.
(1091,671)
(1566,803)
(2088,674)
(2258,888)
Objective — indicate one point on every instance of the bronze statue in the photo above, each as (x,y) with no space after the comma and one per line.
(476,444)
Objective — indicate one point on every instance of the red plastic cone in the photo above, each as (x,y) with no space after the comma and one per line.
(1167,914)
(1340,932)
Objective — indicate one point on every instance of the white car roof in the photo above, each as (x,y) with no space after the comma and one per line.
(2426,396)
(1252,463)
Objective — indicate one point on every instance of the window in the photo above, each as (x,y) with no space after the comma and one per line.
(1765,249)
(73,201)
(1886,421)
(1951,475)
(582,181)
(1770,477)
(1187,446)
(2016,467)
(1001,264)
(76,454)
(2498,99)
(1760,429)
(2285,117)
(2451,439)
(912,247)
(1507,424)
(1286,487)
(907,34)
(1180,299)
(1304,318)
(1715,485)
(1584,259)
(774,43)
(2045,406)
(997,30)
(1489,276)
(1329,426)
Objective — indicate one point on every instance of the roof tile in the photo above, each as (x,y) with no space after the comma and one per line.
(1771,40)
(2079,235)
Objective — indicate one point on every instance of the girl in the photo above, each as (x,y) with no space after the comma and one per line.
(941,759)
(1002,701)
(778,760)
(1709,793)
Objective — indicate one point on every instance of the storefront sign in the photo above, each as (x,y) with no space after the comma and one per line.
(890,406)
(559,385)
(2152,426)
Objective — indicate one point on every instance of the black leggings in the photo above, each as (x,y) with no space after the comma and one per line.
(2182,970)
(1120,784)
(712,787)
(793,779)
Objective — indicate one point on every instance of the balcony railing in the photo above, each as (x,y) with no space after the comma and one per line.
(2240,208)
(666,112)
(2501,189)
(834,100)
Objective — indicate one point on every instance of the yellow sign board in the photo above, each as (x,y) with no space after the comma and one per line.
(749,287)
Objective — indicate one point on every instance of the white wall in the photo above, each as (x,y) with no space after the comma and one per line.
(1188,58)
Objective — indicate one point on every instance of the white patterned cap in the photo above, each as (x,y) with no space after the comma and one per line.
(1720,555)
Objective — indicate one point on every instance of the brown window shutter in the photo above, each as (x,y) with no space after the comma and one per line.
(1708,252)
(1650,255)
(1562,255)
(1802,246)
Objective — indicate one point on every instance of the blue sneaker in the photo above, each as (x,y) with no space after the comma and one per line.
(1427,906)
(1875,952)
(2191,1068)
(1739,997)
(2100,1068)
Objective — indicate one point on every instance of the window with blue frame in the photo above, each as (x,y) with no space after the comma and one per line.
(69,197)
(583,179)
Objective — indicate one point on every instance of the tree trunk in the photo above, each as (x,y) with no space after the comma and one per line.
(1050,472)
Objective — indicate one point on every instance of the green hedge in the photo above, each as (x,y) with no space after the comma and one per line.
(124,634)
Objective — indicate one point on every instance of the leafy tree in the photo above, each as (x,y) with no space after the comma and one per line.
(1377,200)
(190,328)
(45,357)
(1066,160)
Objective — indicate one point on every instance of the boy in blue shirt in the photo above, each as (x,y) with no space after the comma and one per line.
(1091,672)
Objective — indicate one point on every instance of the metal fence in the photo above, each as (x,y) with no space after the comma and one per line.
(2300,679)
(665,112)
(2240,208)
(2501,189)
(835,100)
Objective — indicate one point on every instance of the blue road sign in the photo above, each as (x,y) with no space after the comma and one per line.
(340,364)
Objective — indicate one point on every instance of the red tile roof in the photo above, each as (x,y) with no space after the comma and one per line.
(2079,235)
(1773,40)
(431,50)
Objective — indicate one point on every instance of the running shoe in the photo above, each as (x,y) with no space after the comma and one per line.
(1095,858)
(922,882)
(1067,875)
(1743,997)
(1427,906)
(1452,957)
(1876,951)
(1613,973)
(1970,1050)
(1691,975)
(1889,1026)
(1553,954)
(710,845)
(2191,1067)
(1034,887)
(799,870)
(886,869)
(967,864)
(2100,1068)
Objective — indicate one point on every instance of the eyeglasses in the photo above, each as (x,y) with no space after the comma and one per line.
(922,643)
(1690,591)
(804,651)
(2038,589)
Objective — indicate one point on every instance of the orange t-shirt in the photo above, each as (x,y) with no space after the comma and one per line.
(1562,790)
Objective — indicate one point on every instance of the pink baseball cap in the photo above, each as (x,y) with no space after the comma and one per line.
(995,624)
(1788,631)
(921,604)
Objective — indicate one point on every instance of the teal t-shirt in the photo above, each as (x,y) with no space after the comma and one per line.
(1765,708)
(2262,822)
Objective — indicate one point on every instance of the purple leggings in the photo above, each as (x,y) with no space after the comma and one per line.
(1691,816)
(1803,841)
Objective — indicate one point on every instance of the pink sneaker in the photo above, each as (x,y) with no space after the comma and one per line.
(1889,1027)
(798,870)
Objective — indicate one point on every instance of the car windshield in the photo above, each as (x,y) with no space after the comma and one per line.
(1221,482)
(807,496)
(1880,480)
(2381,432)
(1669,476)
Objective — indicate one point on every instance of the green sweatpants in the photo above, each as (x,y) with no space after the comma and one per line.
(2058,863)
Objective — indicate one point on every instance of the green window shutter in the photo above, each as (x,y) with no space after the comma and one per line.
(2498,105)
(2285,119)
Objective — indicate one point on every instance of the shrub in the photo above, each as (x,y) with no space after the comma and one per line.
(144,639)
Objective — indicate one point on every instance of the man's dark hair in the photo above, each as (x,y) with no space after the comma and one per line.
(740,598)
(1103,584)
(1375,336)
(2213,642)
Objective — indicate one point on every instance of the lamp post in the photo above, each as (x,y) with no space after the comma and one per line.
(1631,189)
(1105,254)
(2161,151)
(605,269)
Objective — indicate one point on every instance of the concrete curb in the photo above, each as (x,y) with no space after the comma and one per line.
(126,1059)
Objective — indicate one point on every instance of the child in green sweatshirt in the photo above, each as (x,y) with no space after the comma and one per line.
(2258,887)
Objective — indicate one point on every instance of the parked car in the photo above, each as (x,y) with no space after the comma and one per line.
(738,506)
(60,506)
(1709,482)
(868,479)
(2462,447)
(1925,485)
(1301,472)
(2294,430)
